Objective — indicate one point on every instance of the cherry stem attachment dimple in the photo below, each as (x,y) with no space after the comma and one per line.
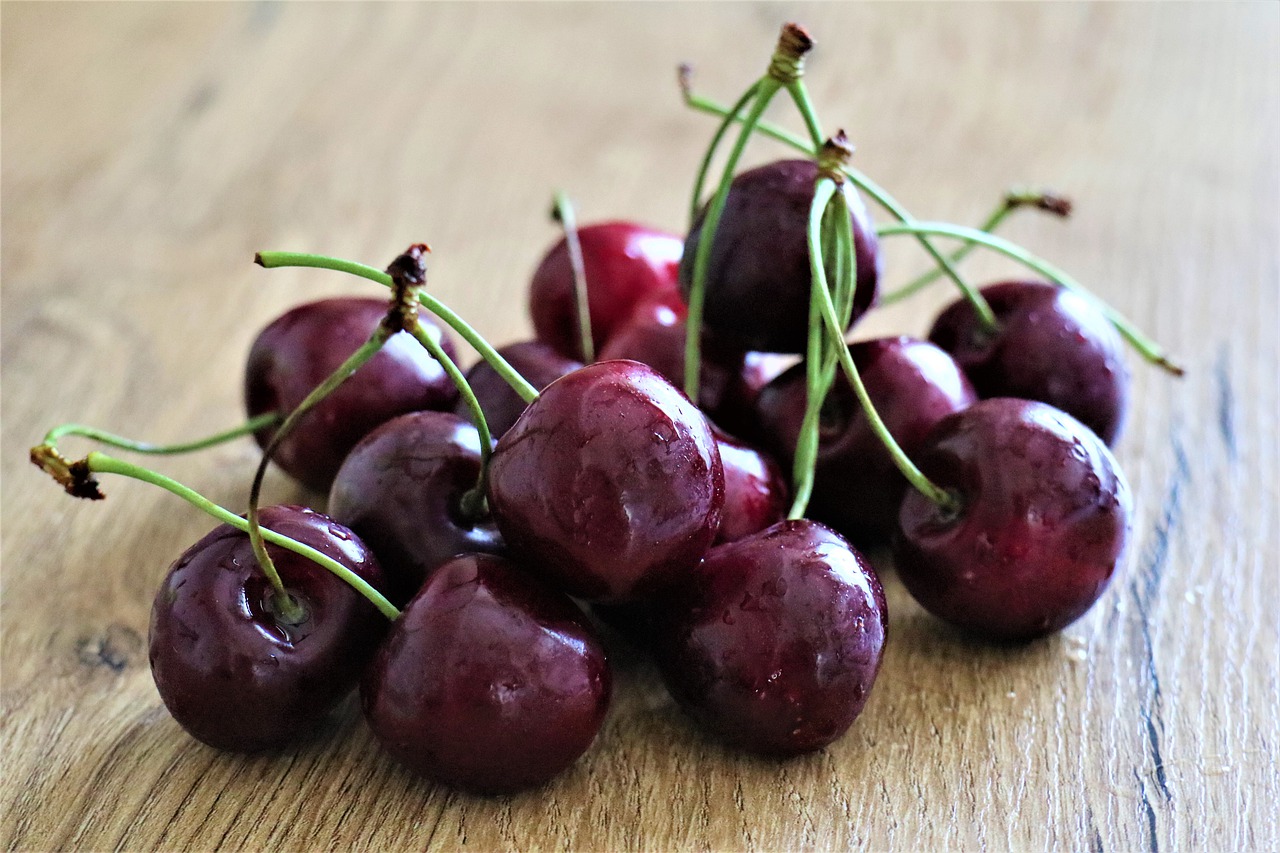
(263,421)
(562,212)
(98,462)
(1146,347)
(1015,199)
(274,260)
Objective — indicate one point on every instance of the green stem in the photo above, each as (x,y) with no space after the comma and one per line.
(102,463)
(871,188)
(800,96)
(699,182)
(273,260)
(251,426)
(1149,349)
(564,215)
(766,88)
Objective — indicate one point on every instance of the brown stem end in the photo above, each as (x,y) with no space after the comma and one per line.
(834,156)
(408,273)
(684,78)
(74,477)
(787,64)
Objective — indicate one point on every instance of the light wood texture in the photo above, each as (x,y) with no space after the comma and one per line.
(149,150)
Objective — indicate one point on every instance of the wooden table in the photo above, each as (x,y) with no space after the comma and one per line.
(149,150)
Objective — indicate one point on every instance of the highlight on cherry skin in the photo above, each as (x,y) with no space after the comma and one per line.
(233,669)
(1041,524)
(299,349)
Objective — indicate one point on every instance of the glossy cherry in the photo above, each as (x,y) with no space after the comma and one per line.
(1042,520)
(537,362)
(625,264)
(301,348)
(229,668)
(857,488)
(489,681)
(401,488)
(1052,346)
(611,482)
(774,641)
(758,279)
(755,492)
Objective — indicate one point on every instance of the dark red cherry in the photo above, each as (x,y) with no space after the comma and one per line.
(755,492)
(774,641)
(401,489)
(758,278)
(489,681)
(231,670)
(1043,516)
(723,385)
(857,488)
(301,348)
(1053,346)
(625,264)
(611,482)
(537,362)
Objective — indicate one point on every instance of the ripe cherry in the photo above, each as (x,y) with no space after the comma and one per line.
(535,361)
(230,667)
(489,681)
(402,489)
(758,279)
(774,641)
(755,493)
(1052,346)
(297,351)
(1041,524)
(857,487)
(625,264)
(611,482)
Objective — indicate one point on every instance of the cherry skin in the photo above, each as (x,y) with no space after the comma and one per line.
(774,641)
(857,488)
(230,669)
(755,493)
(537,362)
(611,482)
(758,276)
(301,348)
(401,489)
(1044,512)
(625,264)
(1053,346)
(489,681)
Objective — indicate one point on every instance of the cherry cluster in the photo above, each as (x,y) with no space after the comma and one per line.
(624,470)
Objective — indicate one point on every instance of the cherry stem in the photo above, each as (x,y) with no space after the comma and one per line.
(1014,199)
(699,182)
(562,212)
(1147,348)
(289,608)
(273,260)
(252,425)
(904,464)
(986,316)
(99,462)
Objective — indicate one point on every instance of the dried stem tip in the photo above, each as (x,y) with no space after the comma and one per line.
(684,77)
(1046,200)
(787,64)
(834,156)
(75,477)
(408,272)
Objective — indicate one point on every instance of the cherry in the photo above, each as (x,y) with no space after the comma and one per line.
(758,277)
(857,487)
(611,482)
(1052,346)
(537,362)
(774,641)
(232,670)
(301,348)
(402,488)
(625,264)
(1042,519)
(489,681)
(755,493)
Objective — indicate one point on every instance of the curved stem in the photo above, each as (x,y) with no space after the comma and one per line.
(564,215)
(878,193)
(250,426)
(731,115)
(800,96)
(102,463)
(273,260)
(1149,349)
(766,88)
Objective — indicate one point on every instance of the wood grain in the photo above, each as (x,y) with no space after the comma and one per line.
(149,150)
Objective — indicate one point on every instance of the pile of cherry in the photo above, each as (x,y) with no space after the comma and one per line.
(624,468)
